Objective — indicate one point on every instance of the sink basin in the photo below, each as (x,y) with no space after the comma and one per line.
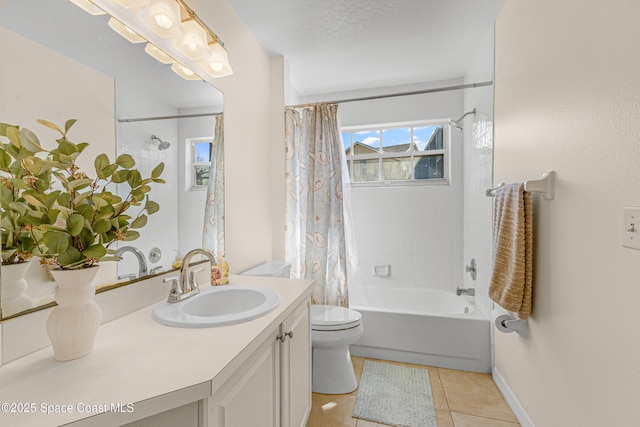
(218,306)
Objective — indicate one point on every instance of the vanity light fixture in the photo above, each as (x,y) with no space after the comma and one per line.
(217,64)
(193,42)
(158,54)
(175,34)
(132,4)
(163,16)
(88,7)
(184,72)
(125,31)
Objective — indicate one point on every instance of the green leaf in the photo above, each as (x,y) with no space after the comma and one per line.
(68,124)
(102,226)
(75,223)
(139,222)
(32,200)
(125,161)
(65,147)
(55,241)
(14,136)
(109,170)
(85,210)
(80,147)
(120,176)
(3,128)
(157,171)
(131,235)
(30,141)
(95,251)
(50,125)
(64,199)
(151,207)
(100,163)
(5,160)
(79,184)
(134,179)
(69,256)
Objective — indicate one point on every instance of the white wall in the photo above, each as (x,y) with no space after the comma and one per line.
(478,167)
(566,99)
(415,229)
(249,138)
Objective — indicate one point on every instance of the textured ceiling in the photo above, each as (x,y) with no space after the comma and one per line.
(339,45)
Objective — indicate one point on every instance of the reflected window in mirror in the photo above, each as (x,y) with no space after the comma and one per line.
(200,152)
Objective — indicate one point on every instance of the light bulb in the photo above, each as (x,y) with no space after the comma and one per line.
(125,31)
(163,21)
(193,42)
(216,65)
(158,54)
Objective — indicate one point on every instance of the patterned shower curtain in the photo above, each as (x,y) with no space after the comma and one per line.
(315,238)
(213,233)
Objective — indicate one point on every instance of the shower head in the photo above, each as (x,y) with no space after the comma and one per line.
(458,123)
(162,145)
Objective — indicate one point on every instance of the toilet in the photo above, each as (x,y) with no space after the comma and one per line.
(333,330)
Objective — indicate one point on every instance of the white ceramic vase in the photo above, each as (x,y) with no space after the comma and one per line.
(73,323)
(14,299)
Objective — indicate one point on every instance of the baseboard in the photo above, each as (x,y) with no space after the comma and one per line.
(512,401)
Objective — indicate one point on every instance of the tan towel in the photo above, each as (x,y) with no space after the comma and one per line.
(512,276)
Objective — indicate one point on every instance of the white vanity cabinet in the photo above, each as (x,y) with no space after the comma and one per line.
(273,387)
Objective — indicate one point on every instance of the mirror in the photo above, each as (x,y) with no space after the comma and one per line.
(67,64)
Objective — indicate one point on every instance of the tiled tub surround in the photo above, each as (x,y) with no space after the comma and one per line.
(136,360)
(417,230)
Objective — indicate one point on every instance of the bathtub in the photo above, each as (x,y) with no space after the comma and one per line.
(427,327)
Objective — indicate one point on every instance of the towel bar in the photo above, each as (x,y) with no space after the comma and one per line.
(543,185)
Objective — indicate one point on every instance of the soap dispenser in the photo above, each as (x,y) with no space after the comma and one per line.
(177,263)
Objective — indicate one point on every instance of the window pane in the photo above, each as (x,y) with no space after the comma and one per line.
(429,167)
(398,168)
(367,142)
(202,152)
(428,138)
(366,170)
(346,140)
(396,140)
(201,175)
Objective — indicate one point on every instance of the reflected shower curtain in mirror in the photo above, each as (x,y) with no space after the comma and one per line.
(213,233)
(315,240)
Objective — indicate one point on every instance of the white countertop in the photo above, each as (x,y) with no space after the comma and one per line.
(140,362)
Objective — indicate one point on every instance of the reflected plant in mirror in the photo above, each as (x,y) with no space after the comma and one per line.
(74,225)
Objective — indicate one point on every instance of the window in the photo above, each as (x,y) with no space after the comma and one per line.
(199,155)
(416,152)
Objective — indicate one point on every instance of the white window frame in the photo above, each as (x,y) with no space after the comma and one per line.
(445,152)
(191,163)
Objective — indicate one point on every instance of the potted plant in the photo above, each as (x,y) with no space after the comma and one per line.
(74,221)
(19,239)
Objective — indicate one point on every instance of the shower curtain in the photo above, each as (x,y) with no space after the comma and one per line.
(213,232)
(315,239)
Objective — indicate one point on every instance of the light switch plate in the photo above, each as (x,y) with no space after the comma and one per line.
(631,227)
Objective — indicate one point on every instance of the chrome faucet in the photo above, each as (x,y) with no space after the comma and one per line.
(142,262)
(465,291)
(186,285)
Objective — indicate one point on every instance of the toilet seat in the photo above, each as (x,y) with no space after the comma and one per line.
(333,318)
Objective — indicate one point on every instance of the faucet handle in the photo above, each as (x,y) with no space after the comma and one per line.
(175,292)
(193,281)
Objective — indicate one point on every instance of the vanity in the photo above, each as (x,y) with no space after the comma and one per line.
(256,373)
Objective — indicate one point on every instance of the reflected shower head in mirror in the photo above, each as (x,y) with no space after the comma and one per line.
(162,145)
(458,123)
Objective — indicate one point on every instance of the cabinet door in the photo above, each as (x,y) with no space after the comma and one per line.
(296,369)
(251,396)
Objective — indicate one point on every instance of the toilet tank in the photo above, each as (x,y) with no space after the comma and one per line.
(271,269)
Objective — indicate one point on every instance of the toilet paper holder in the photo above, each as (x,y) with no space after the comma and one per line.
(517,325)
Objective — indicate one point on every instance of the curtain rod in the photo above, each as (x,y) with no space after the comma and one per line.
(415,92)
(184,116)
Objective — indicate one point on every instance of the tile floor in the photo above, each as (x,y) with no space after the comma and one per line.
(462,399)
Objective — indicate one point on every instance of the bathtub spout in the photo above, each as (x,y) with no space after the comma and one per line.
(465,291)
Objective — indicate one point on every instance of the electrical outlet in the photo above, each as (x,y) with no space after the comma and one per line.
(631,227)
